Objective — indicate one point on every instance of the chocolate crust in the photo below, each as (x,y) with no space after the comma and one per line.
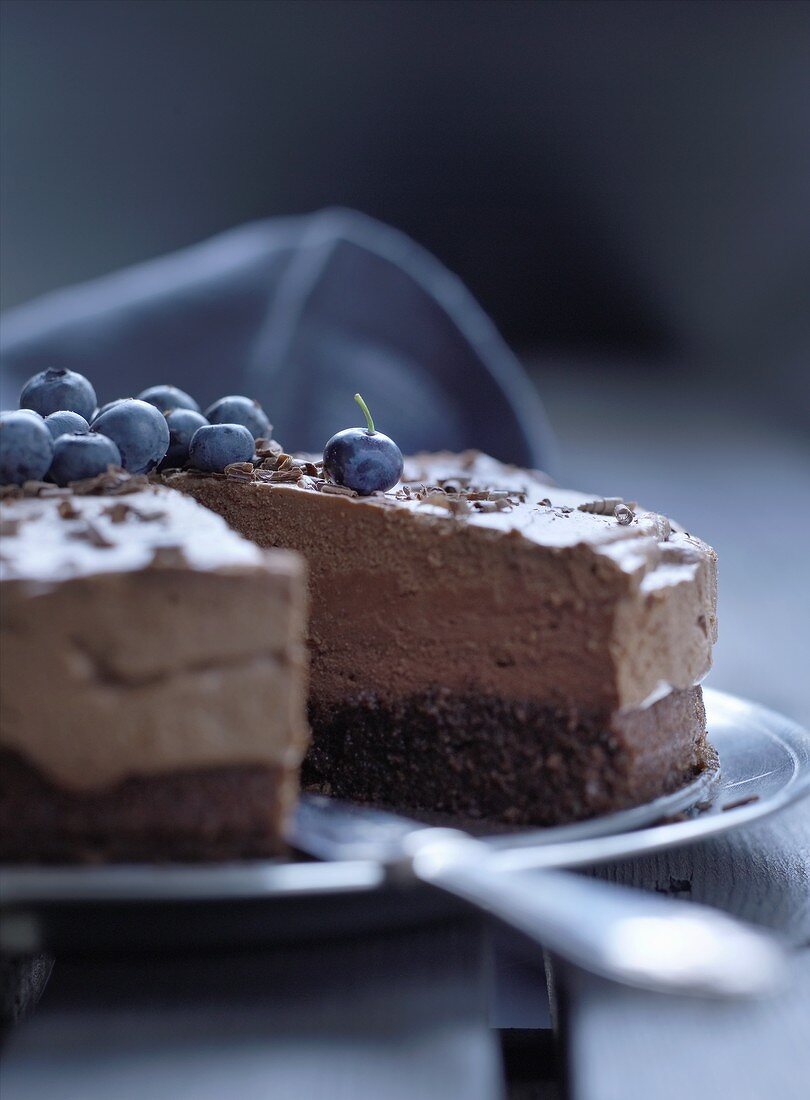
(481,757)
(207,814)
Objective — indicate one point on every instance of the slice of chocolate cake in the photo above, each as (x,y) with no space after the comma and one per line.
(483,643)
(153,680)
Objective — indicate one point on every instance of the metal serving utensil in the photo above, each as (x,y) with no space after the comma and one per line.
(629,936)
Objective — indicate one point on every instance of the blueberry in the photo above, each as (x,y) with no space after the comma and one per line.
(183,423)
(66,422)
(53,390)
(138,430)
(109,405)
(76,457)
(240,410)
(215,446)
(363,459)
(26,447)
(166,398)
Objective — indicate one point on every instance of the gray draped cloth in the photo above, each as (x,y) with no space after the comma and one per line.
(299,313)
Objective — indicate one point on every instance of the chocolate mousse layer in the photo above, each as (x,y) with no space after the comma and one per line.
(484,642)
(153,680)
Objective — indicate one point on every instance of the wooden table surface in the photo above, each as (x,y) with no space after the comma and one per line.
(407,1013)
(620,1044)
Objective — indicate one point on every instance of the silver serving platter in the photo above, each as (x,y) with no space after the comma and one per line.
(764,766)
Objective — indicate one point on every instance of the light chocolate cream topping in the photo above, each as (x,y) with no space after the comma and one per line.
(139,635)
(481,578)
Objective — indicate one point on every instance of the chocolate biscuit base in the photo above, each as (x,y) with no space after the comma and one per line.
(490,759)
(487,644)
(208,814)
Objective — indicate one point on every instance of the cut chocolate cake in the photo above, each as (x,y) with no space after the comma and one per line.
(483,643)
(153,679)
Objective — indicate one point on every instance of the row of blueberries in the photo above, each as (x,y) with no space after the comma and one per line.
(58,432)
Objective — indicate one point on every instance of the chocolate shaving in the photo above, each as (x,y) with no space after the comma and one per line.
(118,512)
(455,505)
(602,506)
(292,474)
(337,490)
(68,510)
(92,534)
(240,471)
(653,523)
(115,481)
(9,525)
(10,492)
(54,491)
(34,488)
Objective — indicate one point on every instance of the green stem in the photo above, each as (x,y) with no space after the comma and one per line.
(366,413)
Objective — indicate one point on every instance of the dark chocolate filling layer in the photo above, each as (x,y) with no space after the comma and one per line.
(212,814)
(502,760)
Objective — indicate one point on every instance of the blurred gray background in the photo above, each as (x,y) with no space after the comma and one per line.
(624,186)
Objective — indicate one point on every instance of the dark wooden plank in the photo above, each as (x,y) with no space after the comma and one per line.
(621,1043)
(760,873)
(625,1045)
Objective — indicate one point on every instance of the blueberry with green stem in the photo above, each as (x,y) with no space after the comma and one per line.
(363,459)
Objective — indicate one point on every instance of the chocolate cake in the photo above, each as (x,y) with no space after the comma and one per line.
(483,643)
(153,678)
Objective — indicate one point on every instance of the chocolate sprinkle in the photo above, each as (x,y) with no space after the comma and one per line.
(68,510)
(92,534)
(9,525)
(118,512)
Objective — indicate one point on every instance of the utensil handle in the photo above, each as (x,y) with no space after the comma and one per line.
(630,936)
